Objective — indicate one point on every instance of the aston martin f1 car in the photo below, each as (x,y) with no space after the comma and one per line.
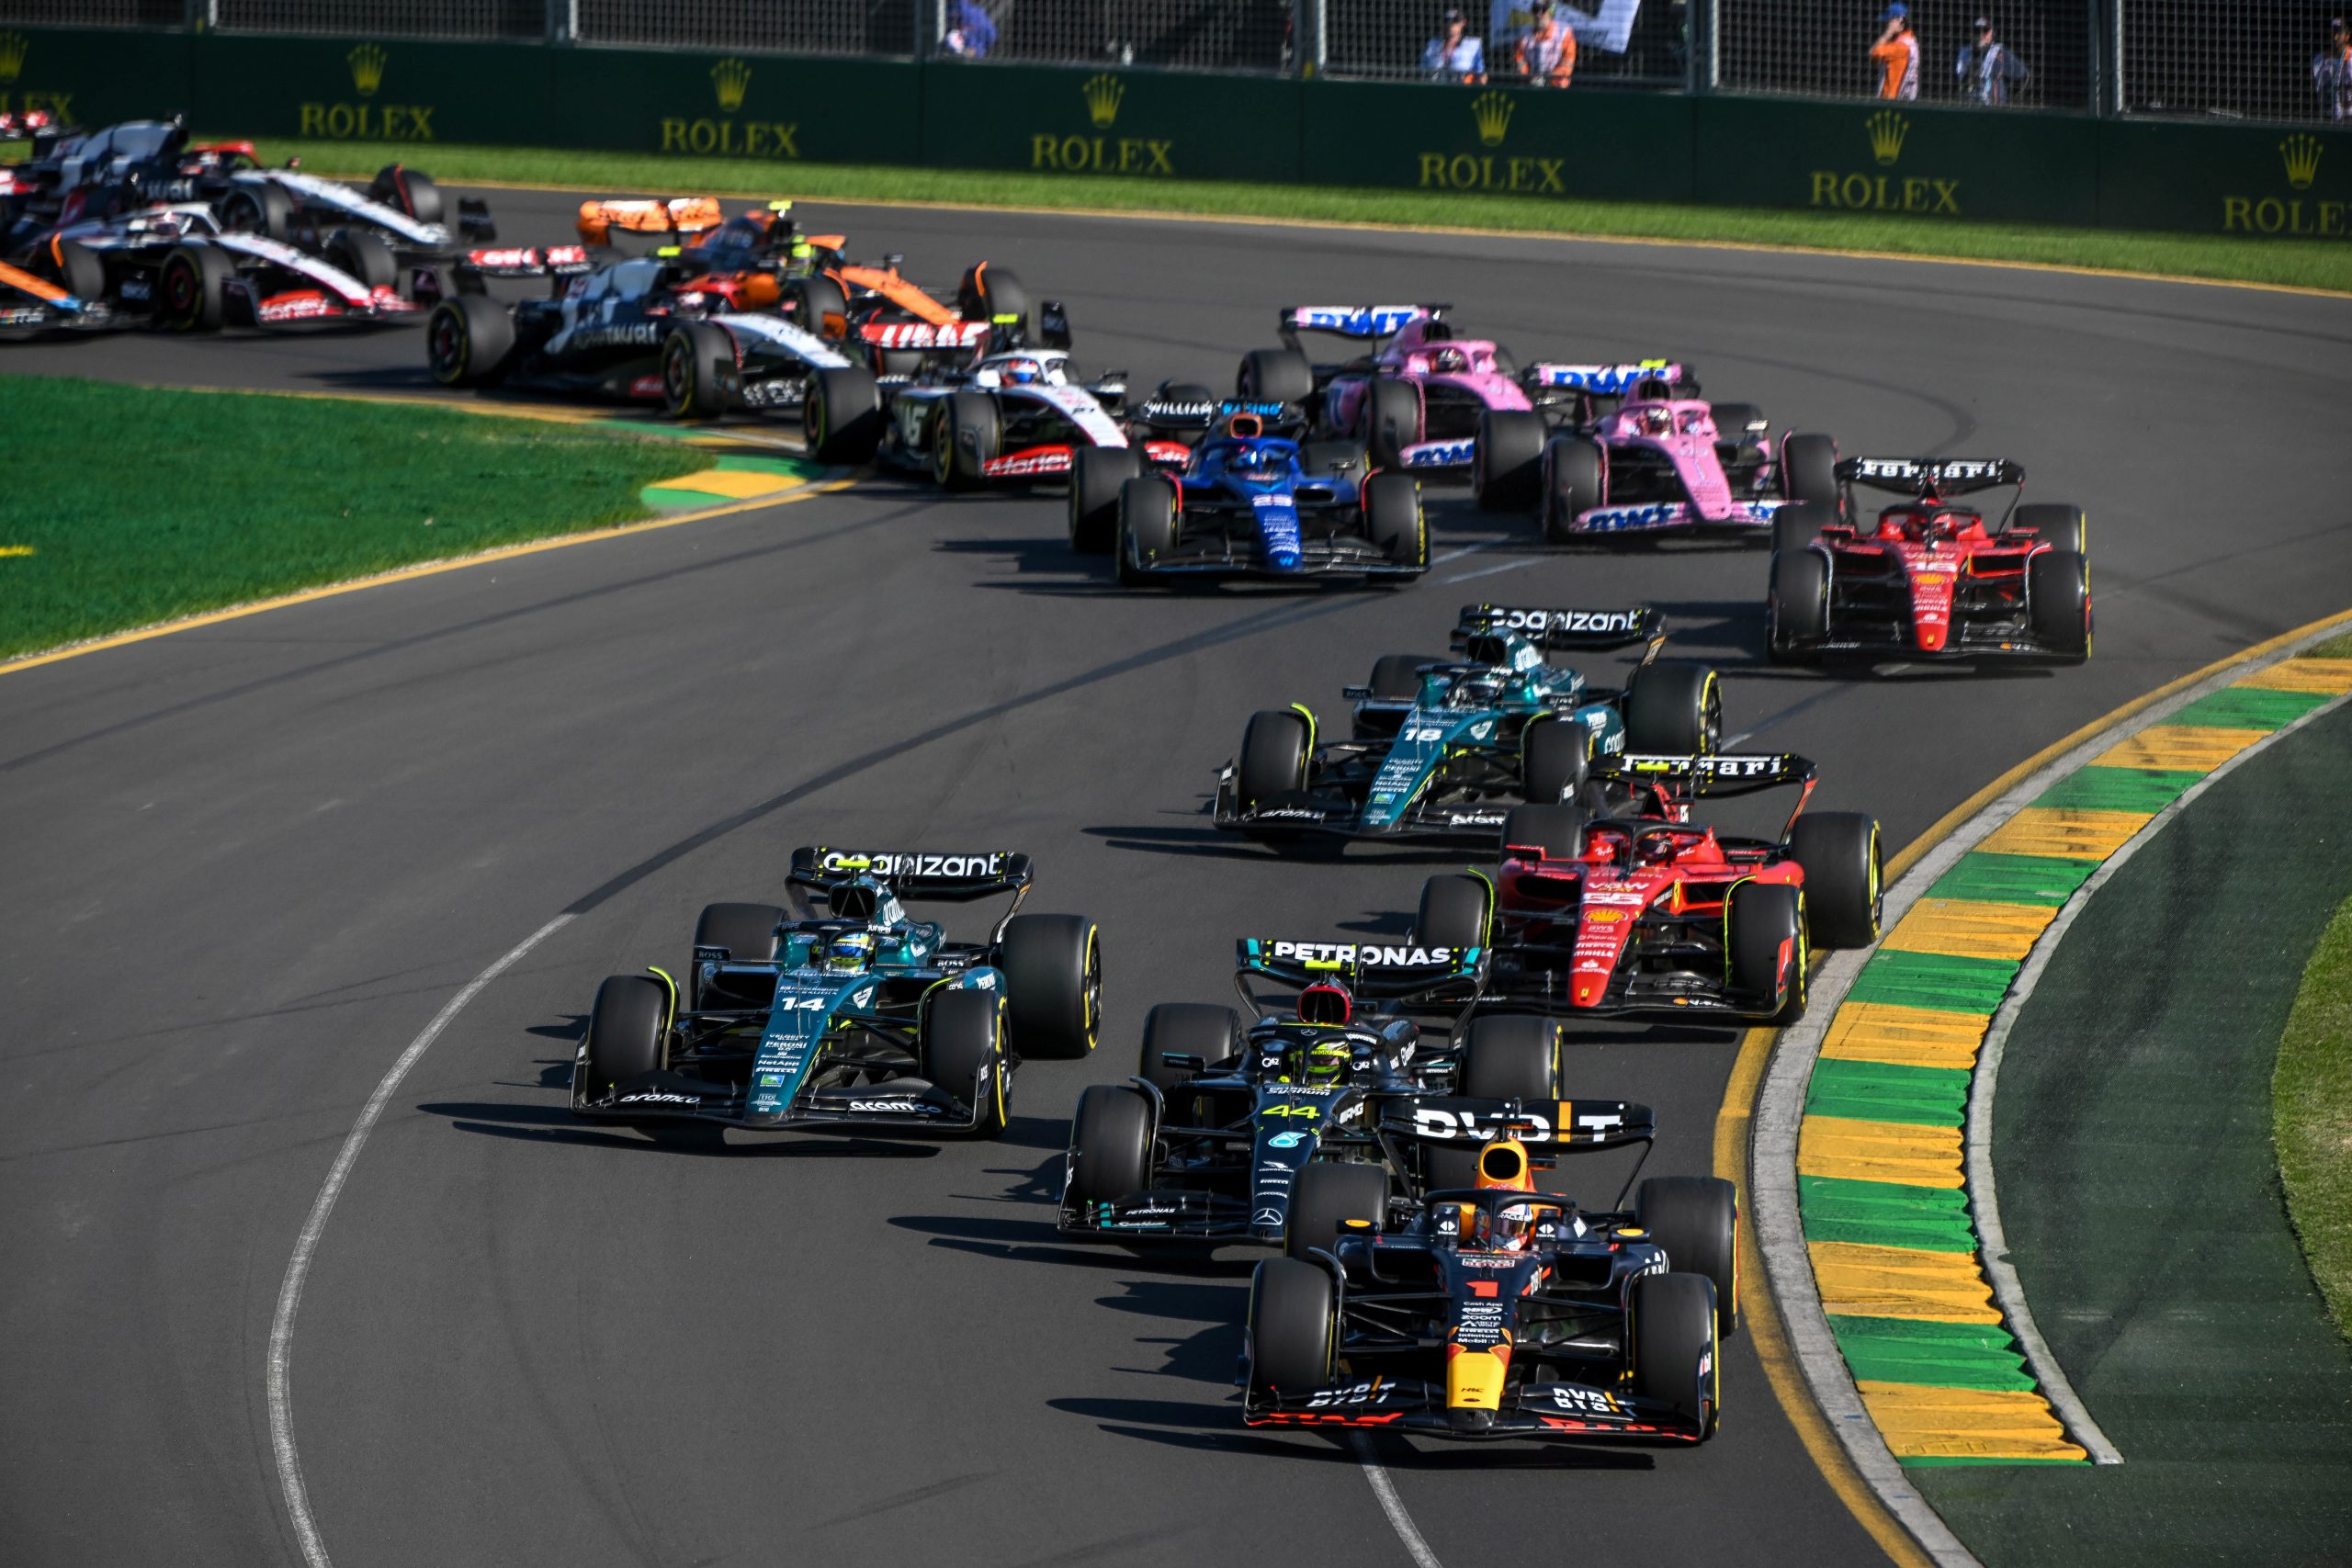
(1495,1310)
(1210,1138)
(1931,578)
(649,328)
(1646,911)
(856,1016)
(1443,749)
(1249,502)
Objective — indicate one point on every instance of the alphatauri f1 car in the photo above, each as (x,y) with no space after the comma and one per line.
(855,1016)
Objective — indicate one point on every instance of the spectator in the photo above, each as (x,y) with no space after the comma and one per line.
(974,33)
(1988,69)
(1453,55)
(1548,52)
(1897,53)
(2332,72)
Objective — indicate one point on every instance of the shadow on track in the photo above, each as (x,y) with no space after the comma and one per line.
(556,1124)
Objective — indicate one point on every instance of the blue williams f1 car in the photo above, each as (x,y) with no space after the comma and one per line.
(852,1019)
(1256,501)
(1443,749)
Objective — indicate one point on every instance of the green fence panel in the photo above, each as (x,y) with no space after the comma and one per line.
(1900,159)
(93,78)
(1130,124)
(1498,141)
(361,90)
(700,104)
(2264,181)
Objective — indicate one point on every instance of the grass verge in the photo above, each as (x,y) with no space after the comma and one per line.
(234,497)
(2311,1102)
(2308,264)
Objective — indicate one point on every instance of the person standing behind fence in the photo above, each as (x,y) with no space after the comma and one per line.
(2332,72)
(974,33)
(1548,52)
(1896,53)
(1453,55)
(1988,69)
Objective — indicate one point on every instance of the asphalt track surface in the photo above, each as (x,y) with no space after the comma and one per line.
(247,863)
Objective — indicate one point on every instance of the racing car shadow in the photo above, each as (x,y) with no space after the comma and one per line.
(1194,1426)
(1037,1240)
(555,1124)
(1213,843)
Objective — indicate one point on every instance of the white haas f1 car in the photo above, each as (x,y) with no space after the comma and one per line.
(1017,415)
(174,267)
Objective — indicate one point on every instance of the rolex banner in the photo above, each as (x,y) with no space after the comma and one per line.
(1498,141)
(1138,125)
(402,91)
(769,108)
(2268,182)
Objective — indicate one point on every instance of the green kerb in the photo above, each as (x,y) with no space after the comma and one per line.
(1884,1213)
(1938,1355)
(2119,789)
(2013,879)
(1883,1092)
(1934,980)
(2248,707)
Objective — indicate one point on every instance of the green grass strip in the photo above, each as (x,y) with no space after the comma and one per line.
(1933,980)
(1941,1355)
(2119,789)
(2310,1108)
(2309,264)
(1884,1213)
(1885,1091)
(2248,707)
(2013,879)
(237,497)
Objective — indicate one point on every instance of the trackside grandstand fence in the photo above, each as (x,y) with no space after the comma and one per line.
(2281,61)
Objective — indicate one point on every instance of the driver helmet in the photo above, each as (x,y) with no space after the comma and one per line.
(1321,1062)
(1020,372)
(1325,1002)
(850,953)
(1657,421)
(1502,1164)
(1449,362)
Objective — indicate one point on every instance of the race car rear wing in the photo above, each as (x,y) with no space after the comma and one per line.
(1931,476)
(1589,629)
(672,215)
(1370,323)
(1161,412)
(915,874)
(1611,380)
(1569,1124)
(517,261)
(1677,780)
(1402,972)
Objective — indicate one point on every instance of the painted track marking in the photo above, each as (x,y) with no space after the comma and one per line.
(1393,1506)
(306,1244)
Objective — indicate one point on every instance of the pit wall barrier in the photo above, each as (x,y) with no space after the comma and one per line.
(1956,164)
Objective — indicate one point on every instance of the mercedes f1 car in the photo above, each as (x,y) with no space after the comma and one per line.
(649,328)
(1210,1139)
(1646,911)
(1496,1310)
(1443,749)
(1248,502)
(855,1016)
(1931,578)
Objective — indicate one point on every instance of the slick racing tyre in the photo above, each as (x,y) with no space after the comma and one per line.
(1292,1309)
(1796,612)
(1696,1219)
(965,435)
(1453,912)
(1393,521)
(411,190)
(1388,420)
(1843,871)
(1273,756)
(1327,1196)
(989,291)
(1506,464)
(841,419)
(1739,426)
(1396,677)
(1331,460)
(80,270)
(1510,1057)
(817,305)
(1554,755)
(1185,1029)
(262,208)
(699,374)
(1096,475)
(1558,830)
(1765,926)
(1053,984)
(1809,469)
(1675,709)
(1676,1354)
(1799,524)
(626,1031)
(1574,480)
(1274,376)
(2060,526)
(468,341)
(192,289)
(746,931)
(963,1053)
(1147,528)
(1109,1140)
(2058,601)
(365,255)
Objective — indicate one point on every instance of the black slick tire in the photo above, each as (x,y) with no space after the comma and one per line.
(1147,528)
(1273,756)
(963,1053)
(746,931)
(817,305)
(1765,931)
(1558,830)
(1388,420)
(626,1030)
(1799,524)
(261,209)
(1554,759)
(2061,527)
(964,439)
(1510,1056)
(1696,1219)
(2058,603)
(364,255)
(1396,677)
(1574,480)
(1328,1194)
(698,371)
(81,271)
(1809,468)
(1096,473)
(1676,1350)
(1053,985)
(1507,463)
(468,341)
(191,290)
(987,292)
(841,418)
(1110,1144)
(1674,709)
(1185,1029)
(1393,522)
(1292,1308)
(1274,376)
(1453,913)
(411,190)
(1843,870)
(1796,607)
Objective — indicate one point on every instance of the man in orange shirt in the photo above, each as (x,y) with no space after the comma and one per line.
(1548,52)
(1897,53)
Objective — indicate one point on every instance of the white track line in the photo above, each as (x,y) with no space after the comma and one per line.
(1393,1506)
(1484,571)
(306,1244)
